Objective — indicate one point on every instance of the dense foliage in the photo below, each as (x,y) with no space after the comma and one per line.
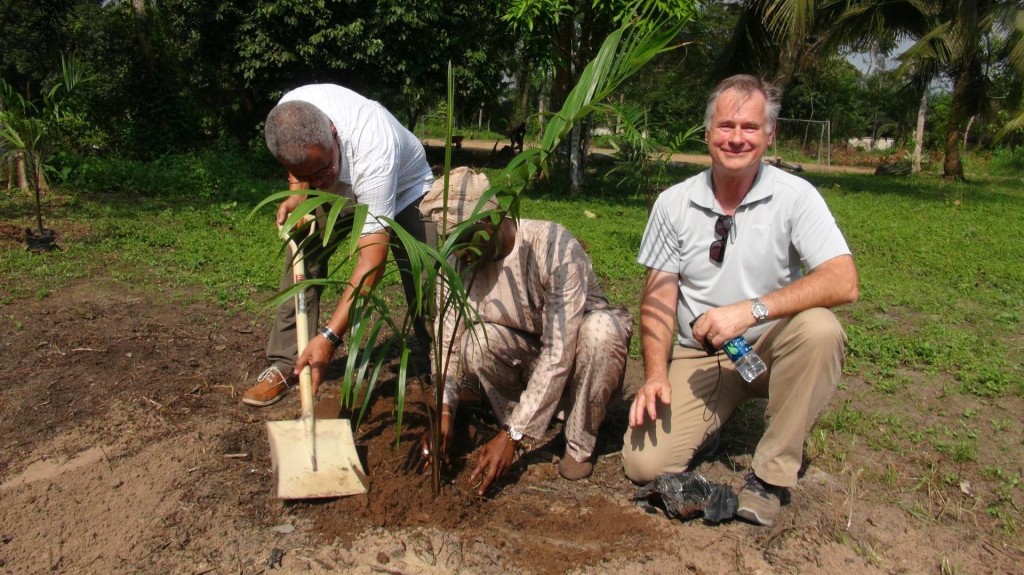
(179,75)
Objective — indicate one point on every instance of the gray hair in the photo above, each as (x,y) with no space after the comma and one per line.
(294,126)
(746,85)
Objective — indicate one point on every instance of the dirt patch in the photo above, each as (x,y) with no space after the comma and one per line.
(125,449)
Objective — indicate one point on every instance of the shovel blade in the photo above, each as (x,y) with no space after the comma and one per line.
(338,470)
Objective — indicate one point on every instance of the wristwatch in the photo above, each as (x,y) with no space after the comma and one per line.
(513,433)
(331,336)
(759,310)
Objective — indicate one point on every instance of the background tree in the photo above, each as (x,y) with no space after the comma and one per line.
(182,75)
(394,51)
(776,39)
(673,89)
(32,39)
(575,29)
(950,38)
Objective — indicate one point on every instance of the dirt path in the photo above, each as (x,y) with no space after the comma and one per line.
(125,450)
(694,159)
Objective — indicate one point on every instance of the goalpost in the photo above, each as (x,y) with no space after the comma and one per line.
(804,140)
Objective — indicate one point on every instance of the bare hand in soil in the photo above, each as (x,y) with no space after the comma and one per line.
(317,356)
(494,460)
(446,440)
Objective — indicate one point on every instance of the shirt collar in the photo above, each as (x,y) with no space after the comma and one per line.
(759,190)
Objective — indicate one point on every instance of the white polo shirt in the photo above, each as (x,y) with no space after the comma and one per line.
(782,227)
(383,165)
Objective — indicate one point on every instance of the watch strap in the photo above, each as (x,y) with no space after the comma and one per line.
(331,336)
(513,433)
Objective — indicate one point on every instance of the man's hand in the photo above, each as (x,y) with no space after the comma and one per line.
(317,356)
(719,325)
(494,460)
(645,402)
(287,207)
(446,440)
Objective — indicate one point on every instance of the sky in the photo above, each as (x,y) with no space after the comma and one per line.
(862,60)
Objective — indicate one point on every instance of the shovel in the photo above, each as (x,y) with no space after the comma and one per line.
(310,458)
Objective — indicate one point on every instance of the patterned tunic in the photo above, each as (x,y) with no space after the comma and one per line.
(544,288)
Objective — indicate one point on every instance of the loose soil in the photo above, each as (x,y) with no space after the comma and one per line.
(125,449)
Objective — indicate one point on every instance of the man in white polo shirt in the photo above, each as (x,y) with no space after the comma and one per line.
(331,138)
(726,252)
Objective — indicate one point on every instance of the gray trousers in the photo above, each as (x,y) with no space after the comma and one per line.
(282,342)
(504,367)
(804,355)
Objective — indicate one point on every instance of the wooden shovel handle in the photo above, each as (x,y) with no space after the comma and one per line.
(302,319)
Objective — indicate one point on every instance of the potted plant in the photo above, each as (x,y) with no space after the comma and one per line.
(28,129)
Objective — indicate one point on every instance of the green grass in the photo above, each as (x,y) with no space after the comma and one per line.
(180,225)
(941,285)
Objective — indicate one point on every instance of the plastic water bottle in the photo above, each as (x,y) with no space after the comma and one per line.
(748,363)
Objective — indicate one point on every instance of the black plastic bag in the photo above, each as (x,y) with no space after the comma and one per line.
(685,495)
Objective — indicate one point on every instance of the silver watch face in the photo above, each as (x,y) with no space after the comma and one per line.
(515,434)
(759,310)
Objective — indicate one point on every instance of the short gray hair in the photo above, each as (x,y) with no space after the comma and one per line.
(746,85)
(292,127)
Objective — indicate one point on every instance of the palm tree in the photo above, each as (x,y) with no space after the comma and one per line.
(953,44)
(873,23)
(778,38)
(28,131)
(949,35)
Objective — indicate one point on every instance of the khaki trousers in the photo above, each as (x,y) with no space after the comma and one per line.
(282,343)
(804,355)
(504,362)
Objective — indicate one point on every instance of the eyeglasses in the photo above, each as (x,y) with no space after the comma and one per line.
(722,226)
(323,173)
(326,174)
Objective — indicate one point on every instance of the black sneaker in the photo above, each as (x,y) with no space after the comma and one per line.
(760,502)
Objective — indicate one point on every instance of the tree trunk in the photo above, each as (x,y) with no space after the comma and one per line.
(140,8)
(922,109)
(952,165)
(523,109)
(789,56)
(412,118)
(618,117)
(32,167)
(575,162)
(967,130)
(965,90)
(565,40)
(541,108)
(19,167)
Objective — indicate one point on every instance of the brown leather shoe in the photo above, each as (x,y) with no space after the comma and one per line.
(574,470)
(271,386)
